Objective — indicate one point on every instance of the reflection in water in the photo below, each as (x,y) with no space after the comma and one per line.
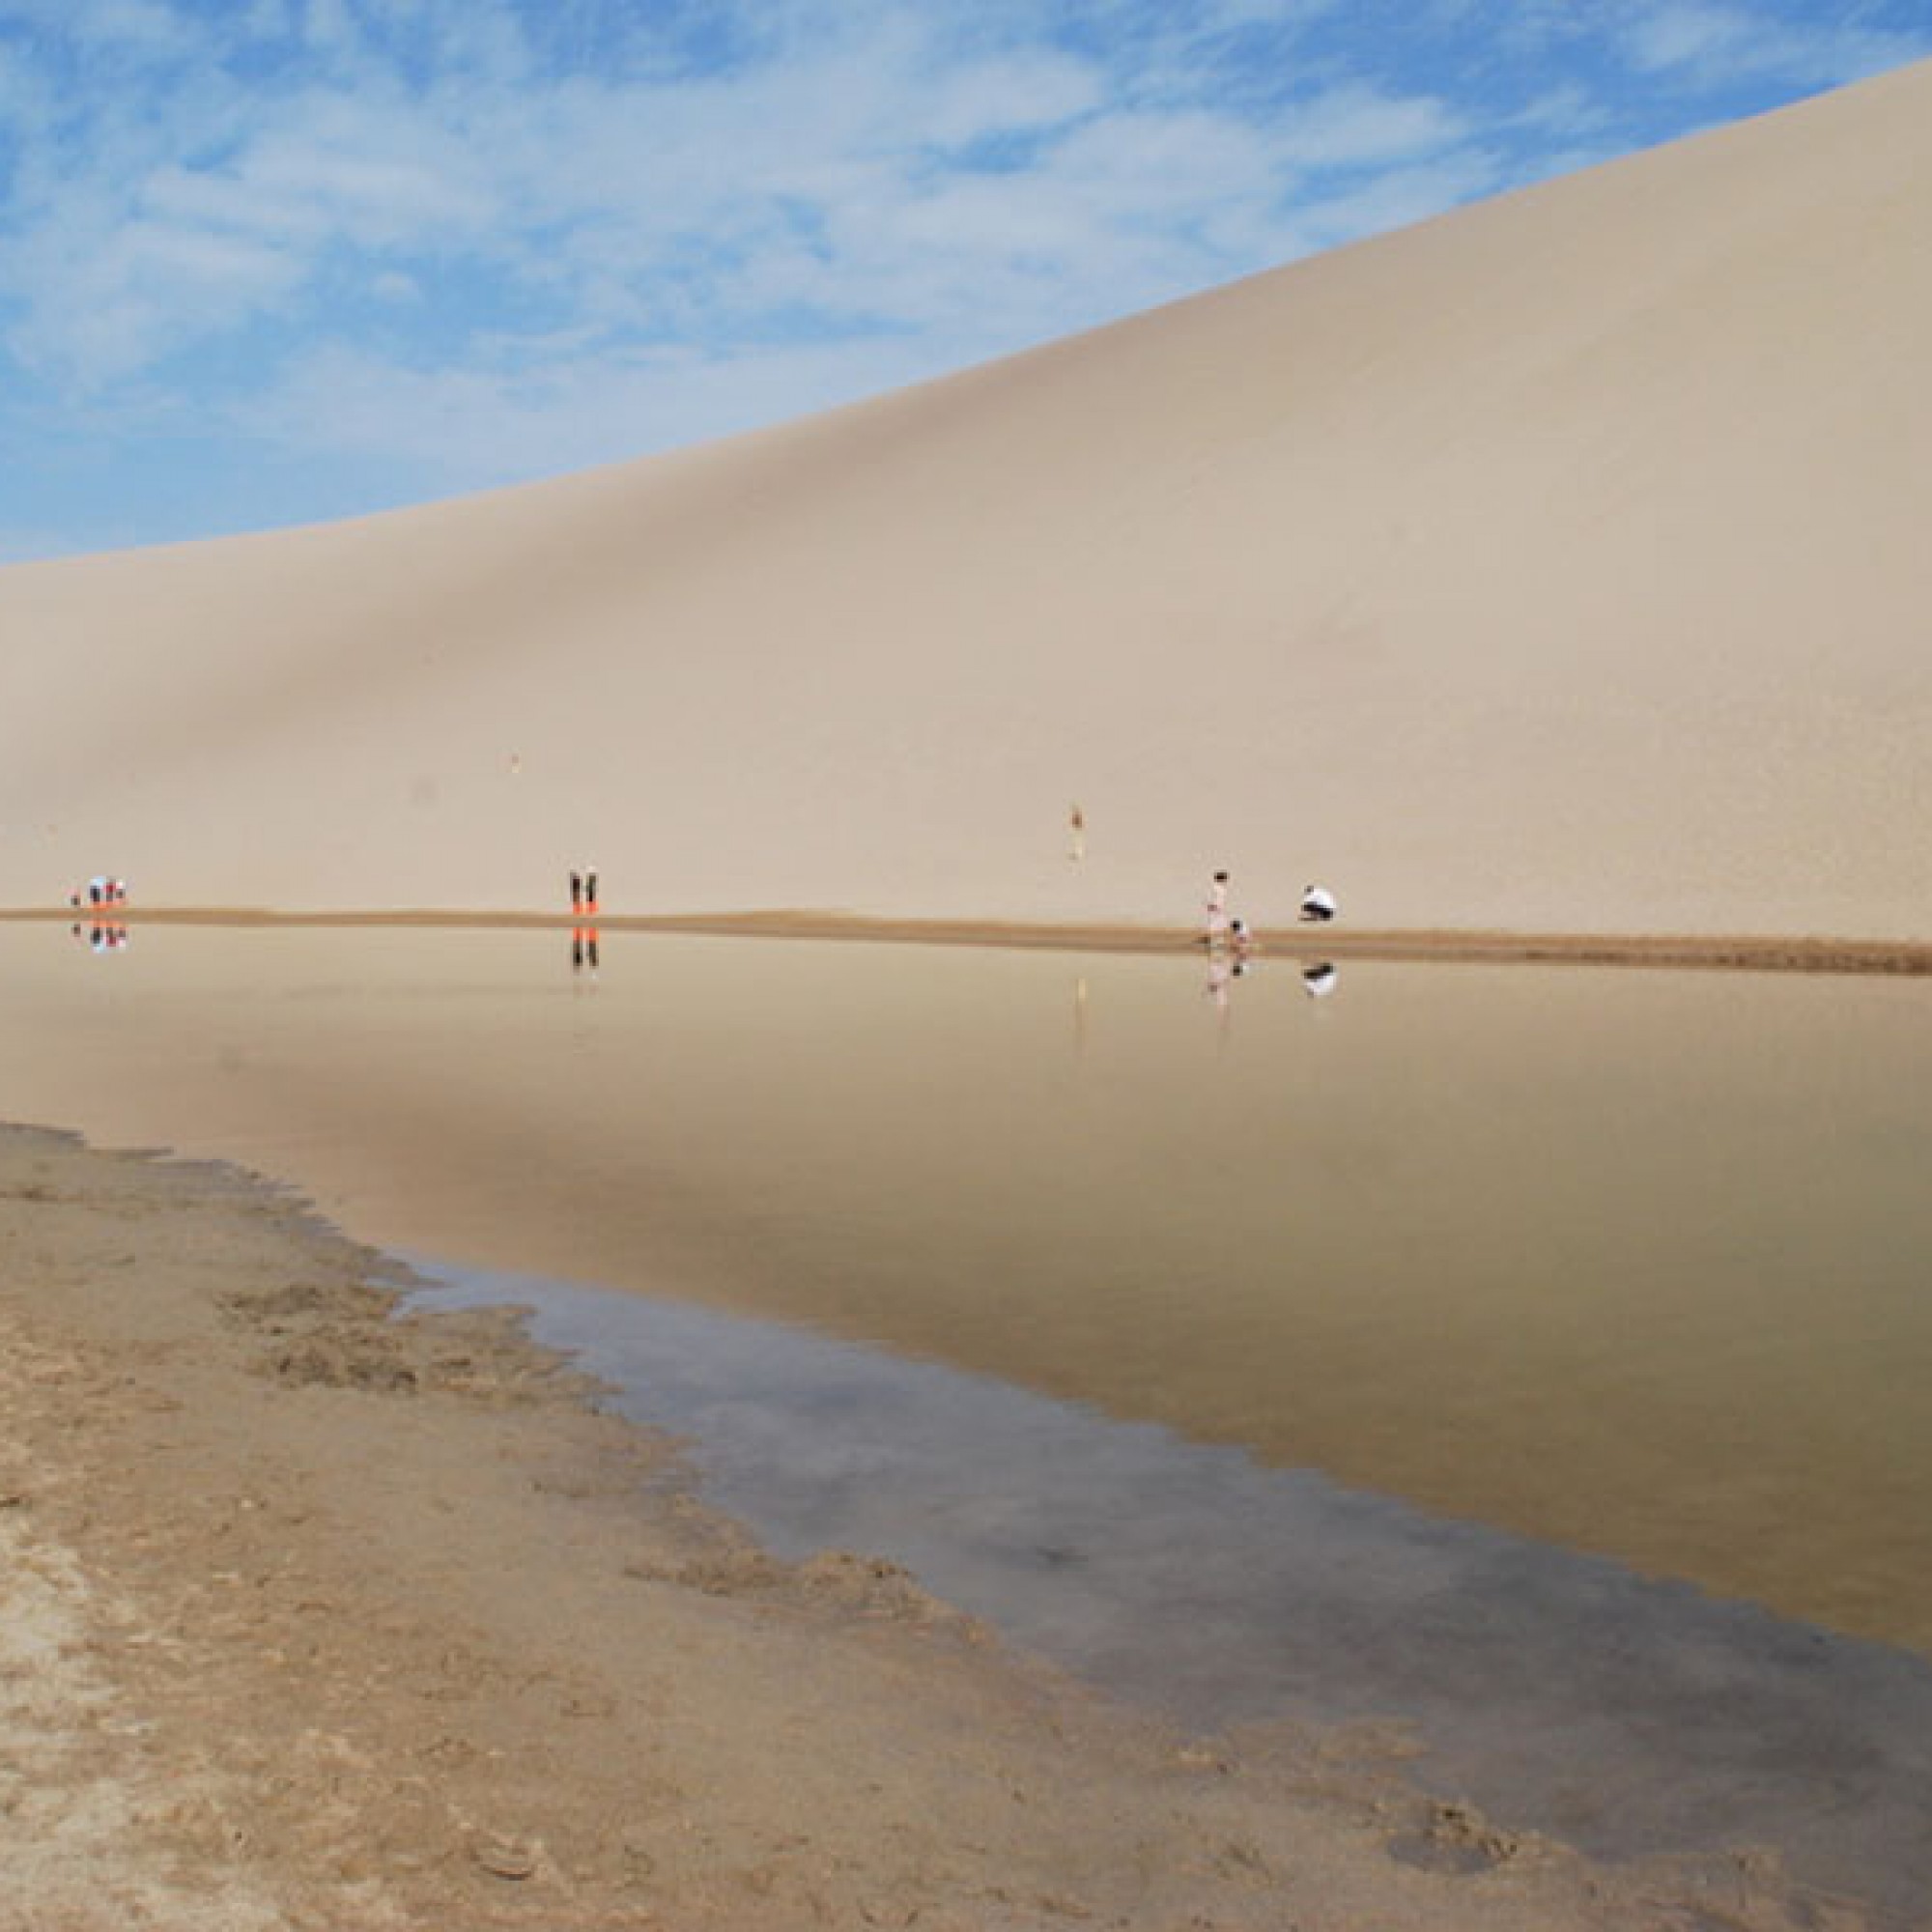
(1221,1592)
(1629,1262)
(1320,981)
(99,937)
(1220,984)
(583,949)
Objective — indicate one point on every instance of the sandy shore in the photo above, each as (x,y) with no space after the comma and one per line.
(1762,953)
(313,1616)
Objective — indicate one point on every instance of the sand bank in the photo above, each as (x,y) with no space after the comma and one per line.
(313,1616)
(1758,952)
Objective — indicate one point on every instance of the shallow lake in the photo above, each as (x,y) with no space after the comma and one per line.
(1567,1328)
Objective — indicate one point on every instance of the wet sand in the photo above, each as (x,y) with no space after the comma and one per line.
(315,1616)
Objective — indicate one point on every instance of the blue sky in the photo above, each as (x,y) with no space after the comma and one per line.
(265,262)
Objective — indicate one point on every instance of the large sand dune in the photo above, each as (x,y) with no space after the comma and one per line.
(1560,563)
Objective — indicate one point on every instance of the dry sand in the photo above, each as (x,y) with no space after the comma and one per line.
(1556,566)
(314,1617)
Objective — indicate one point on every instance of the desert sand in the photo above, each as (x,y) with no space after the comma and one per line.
(1553,570)
(314,1617)
(1555,565)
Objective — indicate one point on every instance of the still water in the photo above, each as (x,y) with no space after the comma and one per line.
(1628,1266)
(1640,1263)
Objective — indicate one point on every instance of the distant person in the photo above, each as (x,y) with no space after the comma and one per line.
(1320,981)
(1077,834)
(577,892)
(1217,909)
(1317,906)
(590,890)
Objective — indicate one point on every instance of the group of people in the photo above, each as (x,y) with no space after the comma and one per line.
(1317,907)
(584,892)
(99,891)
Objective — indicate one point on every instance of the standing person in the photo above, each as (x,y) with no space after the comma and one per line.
(1077,834)
(1217,909)
(1317,906)
(576,892)
(590,890)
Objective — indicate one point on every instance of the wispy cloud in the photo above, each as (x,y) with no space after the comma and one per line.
(1718,44)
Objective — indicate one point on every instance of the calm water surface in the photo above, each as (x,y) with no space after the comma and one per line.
(1541,1355)
(1636,1263)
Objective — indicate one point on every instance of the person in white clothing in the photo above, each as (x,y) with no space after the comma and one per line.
(1217,909)
(1318,904)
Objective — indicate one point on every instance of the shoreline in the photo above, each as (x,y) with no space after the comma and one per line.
(328,1611)
(1725,952)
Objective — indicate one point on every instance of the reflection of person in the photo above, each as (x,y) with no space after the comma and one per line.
(1219,971)
(1317,906)
(1320,981)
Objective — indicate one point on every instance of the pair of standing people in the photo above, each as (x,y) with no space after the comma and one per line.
(583,890)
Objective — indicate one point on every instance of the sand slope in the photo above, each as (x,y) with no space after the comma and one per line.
(1559,563)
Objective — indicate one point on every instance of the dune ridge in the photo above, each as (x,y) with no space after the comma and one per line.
(1552,568)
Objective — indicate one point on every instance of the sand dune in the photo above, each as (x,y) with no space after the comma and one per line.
(1557,564)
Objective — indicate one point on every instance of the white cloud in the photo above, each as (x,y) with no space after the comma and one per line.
(145,25)
(1014,93)
(337,170)
(887,168)
(125,297)
(1682,36)
(1357,125)
(472,427)
(1396,198)
(1713,43)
